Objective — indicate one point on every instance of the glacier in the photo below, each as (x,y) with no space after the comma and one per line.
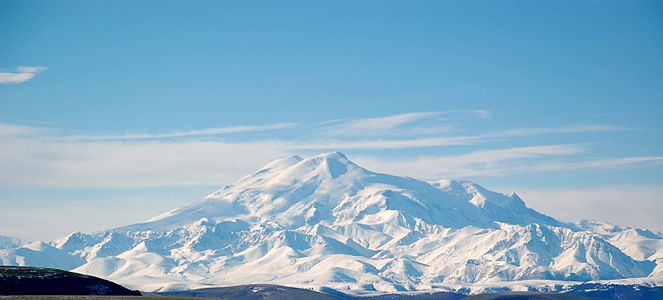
(326,222)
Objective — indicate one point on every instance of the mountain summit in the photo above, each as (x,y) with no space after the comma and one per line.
(325,221)
(329,189)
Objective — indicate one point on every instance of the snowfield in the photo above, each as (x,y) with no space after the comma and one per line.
(9,242)
(325,222)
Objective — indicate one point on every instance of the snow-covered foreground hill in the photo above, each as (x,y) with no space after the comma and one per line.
(327,222)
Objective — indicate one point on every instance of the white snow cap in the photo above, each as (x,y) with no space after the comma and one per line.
(326,221)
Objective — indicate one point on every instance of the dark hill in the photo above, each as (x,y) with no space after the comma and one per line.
(277,292)
(45,281)
(273,292)
(254,292)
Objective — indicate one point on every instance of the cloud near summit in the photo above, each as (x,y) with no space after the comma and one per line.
(43,157)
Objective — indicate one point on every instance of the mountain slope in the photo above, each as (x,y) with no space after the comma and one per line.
(39,254)
(330,189)
(324,221)
(9,242)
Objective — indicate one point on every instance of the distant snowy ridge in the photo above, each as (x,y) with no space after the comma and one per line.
(324,221)
(9,242)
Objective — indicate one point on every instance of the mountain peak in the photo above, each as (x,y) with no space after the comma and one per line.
(325,221)
(282,162)
(332,155)
(9,242)
(333,163)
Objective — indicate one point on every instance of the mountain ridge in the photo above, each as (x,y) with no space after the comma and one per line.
(325,221)
(9,242)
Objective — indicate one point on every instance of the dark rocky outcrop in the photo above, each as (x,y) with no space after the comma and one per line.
(46,281)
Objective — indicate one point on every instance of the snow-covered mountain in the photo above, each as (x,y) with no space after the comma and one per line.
(39,254)
(9,242)
(326,222)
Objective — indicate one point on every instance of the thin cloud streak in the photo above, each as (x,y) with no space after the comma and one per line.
(48,163)
(377,126)
(425,142)
(406,124)
(12,130)
(518,132)
(599,163)
(310,142)
(40,157)
(483,162)
(500,162)
(384,144)
(358,134)
(111,164)
(188,133)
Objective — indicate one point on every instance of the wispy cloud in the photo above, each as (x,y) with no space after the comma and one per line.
(500,162)
(349,141)
(491,156)
(382,144)
(186,133)
(555,130)
(480,113)
(38,162)
(13,130)
(476,163)
(377,126)
(402,131)
(43,157)
(597,163)
(22,74)
(415,123)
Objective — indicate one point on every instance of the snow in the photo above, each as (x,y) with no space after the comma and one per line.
(7,242)
(39,254)
(325,222)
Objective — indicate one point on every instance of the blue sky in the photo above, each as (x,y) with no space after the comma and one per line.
(113,111)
